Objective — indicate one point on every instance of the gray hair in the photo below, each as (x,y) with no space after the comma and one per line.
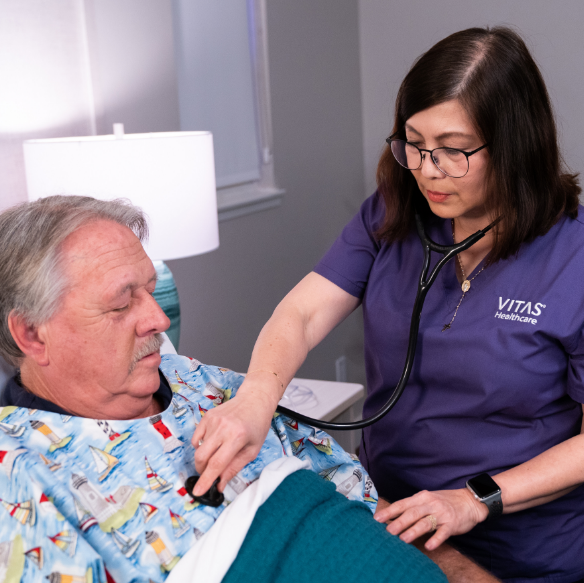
(32,278)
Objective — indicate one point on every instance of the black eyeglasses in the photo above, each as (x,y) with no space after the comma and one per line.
(449,161)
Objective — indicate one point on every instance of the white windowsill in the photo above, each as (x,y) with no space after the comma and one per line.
(245,199)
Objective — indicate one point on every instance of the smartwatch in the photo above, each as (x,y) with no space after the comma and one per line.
(485,490)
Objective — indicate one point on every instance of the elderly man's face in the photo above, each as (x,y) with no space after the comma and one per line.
(100,342)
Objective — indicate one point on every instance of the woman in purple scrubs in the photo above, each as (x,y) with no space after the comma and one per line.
(498,381)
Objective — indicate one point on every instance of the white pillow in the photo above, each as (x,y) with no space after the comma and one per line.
(167,346)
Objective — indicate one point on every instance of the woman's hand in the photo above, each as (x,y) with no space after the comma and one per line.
(232,434)
(455,512)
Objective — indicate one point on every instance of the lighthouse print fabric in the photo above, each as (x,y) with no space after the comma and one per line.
(86,500)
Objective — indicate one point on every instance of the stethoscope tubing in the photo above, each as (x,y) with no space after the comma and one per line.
(424,283)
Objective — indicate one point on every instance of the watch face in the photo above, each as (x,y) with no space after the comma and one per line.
(483,485)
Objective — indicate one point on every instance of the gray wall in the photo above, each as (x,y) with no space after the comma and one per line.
(227,295)
(131,59)
(394,33)
(46,89)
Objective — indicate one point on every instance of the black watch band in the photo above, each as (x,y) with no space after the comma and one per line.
(486,490)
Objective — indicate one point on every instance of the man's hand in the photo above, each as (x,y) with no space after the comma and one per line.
(455,512)
(231,435)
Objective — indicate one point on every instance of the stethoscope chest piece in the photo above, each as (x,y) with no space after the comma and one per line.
(212,497)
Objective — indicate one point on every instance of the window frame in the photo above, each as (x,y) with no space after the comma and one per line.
(263,194)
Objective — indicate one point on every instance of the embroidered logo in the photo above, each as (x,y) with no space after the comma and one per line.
(519,310)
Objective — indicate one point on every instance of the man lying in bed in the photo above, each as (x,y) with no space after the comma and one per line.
(96,428)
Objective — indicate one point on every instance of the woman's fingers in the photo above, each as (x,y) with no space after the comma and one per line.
(382,513)
(382,504)
(420,527)
(222,441)
(224,461)
(447,512)
(435,541)
(228,437)
(239,461)
(397,509)
(412,521)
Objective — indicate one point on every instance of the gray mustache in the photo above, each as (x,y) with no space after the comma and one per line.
(152,345)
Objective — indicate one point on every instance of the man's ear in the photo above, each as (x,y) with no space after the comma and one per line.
(29,339)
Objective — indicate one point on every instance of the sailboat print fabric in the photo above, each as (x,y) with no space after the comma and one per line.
(86,500)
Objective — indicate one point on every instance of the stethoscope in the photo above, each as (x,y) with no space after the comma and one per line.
(215,498)
(424,284)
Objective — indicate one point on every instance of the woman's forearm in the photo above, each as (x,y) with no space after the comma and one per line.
(280,350)
(537,501)
(301,320)
(548,476)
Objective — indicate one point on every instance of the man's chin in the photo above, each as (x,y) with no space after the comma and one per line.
(144,378)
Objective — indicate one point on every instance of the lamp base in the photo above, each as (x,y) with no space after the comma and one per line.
(166,295)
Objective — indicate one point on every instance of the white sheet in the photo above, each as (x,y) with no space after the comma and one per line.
(209,560)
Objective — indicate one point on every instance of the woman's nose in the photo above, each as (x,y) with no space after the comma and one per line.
(429,168)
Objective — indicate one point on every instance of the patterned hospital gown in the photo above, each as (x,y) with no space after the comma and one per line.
(87,501)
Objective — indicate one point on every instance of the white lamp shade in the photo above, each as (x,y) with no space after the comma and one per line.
(170,175)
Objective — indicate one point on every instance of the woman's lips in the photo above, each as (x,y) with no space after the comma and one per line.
(435,196)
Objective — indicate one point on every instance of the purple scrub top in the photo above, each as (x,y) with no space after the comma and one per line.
(502,385)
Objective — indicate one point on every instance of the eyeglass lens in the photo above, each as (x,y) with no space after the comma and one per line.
(452,162)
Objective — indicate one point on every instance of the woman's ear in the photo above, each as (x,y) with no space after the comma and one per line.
(29,338)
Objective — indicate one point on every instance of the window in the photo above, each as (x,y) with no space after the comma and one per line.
(223,86)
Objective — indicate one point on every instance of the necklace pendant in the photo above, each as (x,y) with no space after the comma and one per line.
(446,327)
(465,285)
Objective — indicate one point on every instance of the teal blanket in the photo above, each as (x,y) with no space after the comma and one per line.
(306,532)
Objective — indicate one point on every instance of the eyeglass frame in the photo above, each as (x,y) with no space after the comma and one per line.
(467,154)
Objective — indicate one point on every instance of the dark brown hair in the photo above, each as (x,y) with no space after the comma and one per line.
(493,75)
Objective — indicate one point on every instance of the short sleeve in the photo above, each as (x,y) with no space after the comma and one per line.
(348,262)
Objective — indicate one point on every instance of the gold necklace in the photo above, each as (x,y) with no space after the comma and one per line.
(465,286)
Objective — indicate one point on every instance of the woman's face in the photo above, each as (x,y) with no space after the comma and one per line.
(448,124)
